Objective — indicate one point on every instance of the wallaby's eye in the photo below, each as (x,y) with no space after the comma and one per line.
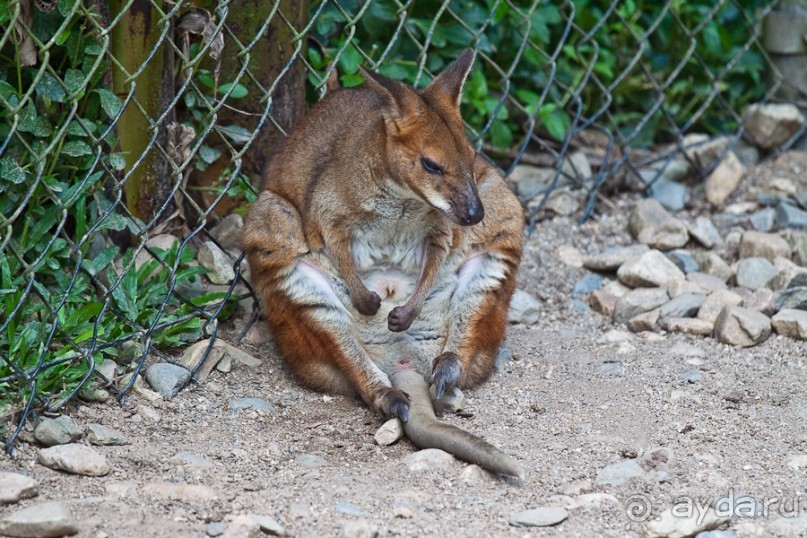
(430,166)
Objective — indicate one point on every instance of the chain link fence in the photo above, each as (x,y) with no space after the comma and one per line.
(134,133)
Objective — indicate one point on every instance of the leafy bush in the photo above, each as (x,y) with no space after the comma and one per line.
(616,28)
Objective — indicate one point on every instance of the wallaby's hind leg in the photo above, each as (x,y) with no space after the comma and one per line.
(311,323)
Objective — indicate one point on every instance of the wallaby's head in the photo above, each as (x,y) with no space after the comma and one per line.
(426,148)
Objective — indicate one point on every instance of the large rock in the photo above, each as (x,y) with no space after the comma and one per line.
(685,305)
(684,260)
(530,181)
(763,245)
(761,300)
(46,520)
(524,308)
(14,487)
(798,243)
(651,269)
(715,303)
(602,302)
(217,262)
(644,322)
(791,322)
(167,379)
(57,431)
(689,326)
(790,216)
(755,273)
(228,231)
(789,275)
(792,298)
(671,194)
(705,232)
(612,258)
(75,459)
(653,225)
(679,287)
(712,264)
(771,125)
(709,283)
(742,327)
(638,302)
(100,435)
(724,179)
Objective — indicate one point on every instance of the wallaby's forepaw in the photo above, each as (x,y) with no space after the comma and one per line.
(367,302)
(393,403)
(446,372)
(401,317)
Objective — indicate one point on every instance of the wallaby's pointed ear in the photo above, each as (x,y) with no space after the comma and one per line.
(447,87)
(398,102)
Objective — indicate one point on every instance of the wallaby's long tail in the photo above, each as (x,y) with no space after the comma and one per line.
(425,431)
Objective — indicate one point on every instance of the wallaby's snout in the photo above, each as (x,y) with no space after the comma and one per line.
(467,206)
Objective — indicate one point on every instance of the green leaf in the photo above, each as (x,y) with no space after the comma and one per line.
(11,170)
(65,6)
(350,60)
(236,133)
(109,102)
(9,94)
(239,91)
(104,258)
(208,154)
(51,88)
(85,313)
(500,134)
(113,221)
(74,80)
(555,120)
(76,148)
(117,161)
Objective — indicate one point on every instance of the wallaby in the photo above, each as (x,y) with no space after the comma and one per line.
(374,198)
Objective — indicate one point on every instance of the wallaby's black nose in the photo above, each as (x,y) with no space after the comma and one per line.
(474,212)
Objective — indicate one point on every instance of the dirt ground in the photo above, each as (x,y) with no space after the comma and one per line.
(568,405)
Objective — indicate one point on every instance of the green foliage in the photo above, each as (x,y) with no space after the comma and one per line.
(610,54)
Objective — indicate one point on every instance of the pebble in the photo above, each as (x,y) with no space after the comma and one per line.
(792,298)
(716,534)
(45,520)
(679,287)
(763,245)
(15,486)
(671,194)
(798,244)
(618,474)
(217,262)
(644,322)
(689,326)
(615,288)
(529,181)
(75,459)
(311,461)
(179,491)
(742,327)
(608,368)
(755,273)
(167,379)
(194,459)
(350,509)
(546,516)
(710,283)
(763,220)
(771,125)
(238,355)
(192,357)
(268,524)
(602,302)
(57,431)
(790,322)
(684,260)
(359,529)
(705,232)
(651,269)
(148,413)
(216,528)
(453,401)
(724,179)
(712,264)
(675,525)
(615,336)
(789,275)
(685,305)
(761,300)
(242,526)
(257,404)
(524,308)
(587,284)
(690,376)
(103,436)
(429,459)
(503,358)
(474,474)
(568,255)
(638,302)
(228,231)
(611,259)
(653,225)
(389,432)
(715,303)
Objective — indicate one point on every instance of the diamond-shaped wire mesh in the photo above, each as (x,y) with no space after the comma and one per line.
(132,128)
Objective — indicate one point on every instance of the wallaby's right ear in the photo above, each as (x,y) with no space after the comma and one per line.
(398,101)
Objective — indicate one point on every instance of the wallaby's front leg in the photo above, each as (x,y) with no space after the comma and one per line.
(337,241)
(401,317)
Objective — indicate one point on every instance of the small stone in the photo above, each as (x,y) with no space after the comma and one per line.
(194,460)
(671,524)
(93,394)
(715,303)
(689,326)
(684,260)
(389,432)
(258,335)
(684,306)
(242,526)
(789,275)
(107,368)
(103,436)
(228,231)
(616,288)
(429,459)
(679,287)
(310,460)
(712,264)
(179,491)
(562,202)
(45,520)
(149,413)
(796,462)
(690,376)
(724,179)
(568,255)
(790,216)
(75,459)
(611,259)
(638,302)
(57,431)
(710,283)
(524,308)
(755,273)
(671,194)
(359,529)
(615,336)
(238,355)
(771,125)
(798,244)
(790,322)
(453,400)
(653,225)
(683,349)
(545,516)
(217,262)
(763,220)
(350,509)
(14,487)
(529,181)
(651,269)
(618,474)
(268,524)
(602,302)
(792,298)
(167,379)
(763,245)
(575,488)
(257,404)
(761,300)
(705,232)
(742,327)
(192,357)
(216,528)
(503,358)
(402,512)
(587,284)
(577,165)
(716,534)
(644,322)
